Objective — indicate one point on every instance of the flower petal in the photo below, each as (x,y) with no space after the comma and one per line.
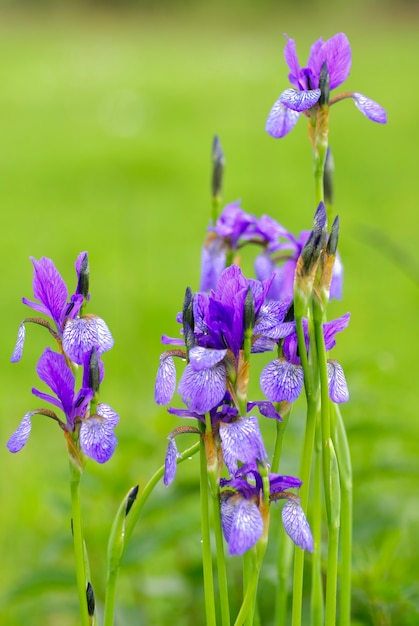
(21,434)
(296,524)
(241,441)
(334,326)
(18,351)
(336,51)
(205,358)
(281,380)
(97,438)
(49,288)
(202,390)
(213,262)
(338,388)
(281,120)
(165,380)
(84,333)
(299,100)
(53,370)
(266,409)
(170,463)
(371,109)
(242,523)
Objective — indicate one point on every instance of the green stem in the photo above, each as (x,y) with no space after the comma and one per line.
(285,552)
(75,477)
(280,432)
(345,473)
(248,571)
(252,561)
(138,505)
(317,604)
(206,541)
(221,564)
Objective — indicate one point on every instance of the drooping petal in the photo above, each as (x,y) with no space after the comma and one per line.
(84,333)
(21,434)
(281,120)
(205,358)
(97,437)
(18,351)
(266,409)
(202,390)
(338,388)
(334,326)
(49,288)
(371,109)
(281,380)
(53,370)
(165,380)
(241,441)
(170,463)
(299,100)
(243,522)
(296,524)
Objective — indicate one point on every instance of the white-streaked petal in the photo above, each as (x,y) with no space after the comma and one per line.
(21,434)
(204,358)
(338,388)
(371,109)
(165,380)
(18,351)
(281,380)
(296,524)
(299,100)
(84,333)
(241,440)
(281,120)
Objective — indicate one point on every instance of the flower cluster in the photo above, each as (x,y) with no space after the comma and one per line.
(81,339)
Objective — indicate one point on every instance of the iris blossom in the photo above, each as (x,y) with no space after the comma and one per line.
(282,379)
(75,334)
(94,433)
(305,93)
(239,437)
(242,509)
(216,341)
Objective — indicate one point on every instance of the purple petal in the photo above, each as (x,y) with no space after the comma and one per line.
(281,120)
(170,463)
(279,483)
(336,286)
(372,110)
(21,434)
(270,320)
(243,522)
(296,525)
(266,409)
(18,351)
(49,288)
(281,380)
(97,438)
(165,380)
(338,389)
(53,370)
(205,358)
(241,441)
(299,100)
(291,59)
(336,51)
(84,333)
(202,390)
(331,328)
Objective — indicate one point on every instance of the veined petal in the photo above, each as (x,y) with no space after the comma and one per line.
(244,523)
(205,358)
(291,59)
(18,351)
(281,120)
(21,434)
(241,441)
(170,463)
(97,438)
(338,388)
(334,326)
(84,333)
(279,483)
(202,390)
(281,380)
(296,524)
(53,370)
(49,288)
(299,100)
(165,380)
(371,109)
(336,51)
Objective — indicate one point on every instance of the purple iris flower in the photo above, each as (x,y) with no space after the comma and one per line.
(283,379)
(241,516)
(76,334)
(240,437)
(305,94)
(96,435)
(218,338)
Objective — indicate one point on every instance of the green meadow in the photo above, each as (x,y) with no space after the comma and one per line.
(106,126)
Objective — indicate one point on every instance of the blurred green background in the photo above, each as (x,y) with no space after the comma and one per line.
(107,113)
